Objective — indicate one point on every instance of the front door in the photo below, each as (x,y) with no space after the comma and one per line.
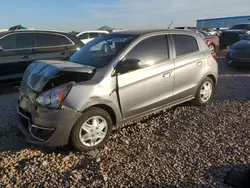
(15,57)
(150,86)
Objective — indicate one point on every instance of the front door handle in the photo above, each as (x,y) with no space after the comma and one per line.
(63,53)
(199,63)
(26,57)
(167,75)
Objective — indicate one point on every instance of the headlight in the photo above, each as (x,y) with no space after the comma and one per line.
(53,98)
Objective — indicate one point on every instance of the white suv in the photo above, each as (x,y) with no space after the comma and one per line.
(87,36)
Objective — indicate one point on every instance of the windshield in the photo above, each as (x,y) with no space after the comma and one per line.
(100,51)
(241,26)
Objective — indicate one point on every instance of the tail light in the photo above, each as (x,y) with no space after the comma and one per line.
(214,55)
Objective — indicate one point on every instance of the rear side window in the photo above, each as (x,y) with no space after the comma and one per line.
(100,34)
(83,36)
(185,44)
(93,35)
(150,51)
(47,40)
(17,41)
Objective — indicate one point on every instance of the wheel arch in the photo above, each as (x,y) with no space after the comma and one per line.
(108,106)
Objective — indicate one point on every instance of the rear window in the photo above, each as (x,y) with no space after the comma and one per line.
(185,44)
(47,40)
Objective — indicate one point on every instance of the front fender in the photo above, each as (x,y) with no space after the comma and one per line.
(98,101)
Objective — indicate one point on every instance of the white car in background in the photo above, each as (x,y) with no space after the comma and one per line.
(87,36)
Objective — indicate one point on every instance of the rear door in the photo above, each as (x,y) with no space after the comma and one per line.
(189,65)
(15,57)
(51,46)
(151,86)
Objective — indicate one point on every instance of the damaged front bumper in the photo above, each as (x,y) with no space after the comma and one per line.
(46,126)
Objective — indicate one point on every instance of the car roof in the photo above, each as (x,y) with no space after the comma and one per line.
(31,30)
(148,31)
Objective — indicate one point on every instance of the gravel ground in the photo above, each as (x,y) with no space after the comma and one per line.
(186,146)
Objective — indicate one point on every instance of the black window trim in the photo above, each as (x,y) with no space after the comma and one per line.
(168,43)
(33,42)
(173,45)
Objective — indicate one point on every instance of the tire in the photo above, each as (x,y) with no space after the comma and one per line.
(211,46)
(199,98)
(94,130)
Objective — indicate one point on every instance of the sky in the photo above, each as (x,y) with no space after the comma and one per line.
(79,15)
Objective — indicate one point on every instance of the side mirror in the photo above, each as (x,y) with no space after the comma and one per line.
(1,48)
(128,65)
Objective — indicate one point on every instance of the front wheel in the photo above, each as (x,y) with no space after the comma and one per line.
(205,92)
(92,130)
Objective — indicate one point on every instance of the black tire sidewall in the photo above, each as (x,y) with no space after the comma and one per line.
(74,136)
(198,100)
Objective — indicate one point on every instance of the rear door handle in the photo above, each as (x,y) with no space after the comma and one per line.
(26,57)
(167,75)
(199,63)
(63,53)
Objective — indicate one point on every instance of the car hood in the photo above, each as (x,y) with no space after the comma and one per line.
(242,45)
(45,74)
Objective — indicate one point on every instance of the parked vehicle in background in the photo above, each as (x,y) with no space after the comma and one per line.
(113,79)
(239,52)
(234,34)
(87,36)
(211,40)
(19,48)
(185,28)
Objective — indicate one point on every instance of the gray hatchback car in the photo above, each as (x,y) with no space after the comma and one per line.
(113,79)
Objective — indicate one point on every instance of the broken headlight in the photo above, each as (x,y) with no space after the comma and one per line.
(53,98)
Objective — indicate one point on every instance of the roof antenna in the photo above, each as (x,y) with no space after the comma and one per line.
(170,24)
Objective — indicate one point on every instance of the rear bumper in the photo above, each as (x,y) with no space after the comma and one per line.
(47,127)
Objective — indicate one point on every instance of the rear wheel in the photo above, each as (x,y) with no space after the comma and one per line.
(92,130)
(211,47)
(205,92)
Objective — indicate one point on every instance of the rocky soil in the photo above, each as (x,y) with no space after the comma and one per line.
(186,146)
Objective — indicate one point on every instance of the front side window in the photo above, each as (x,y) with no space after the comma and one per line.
(150,51)
(16,41)
(185,44)
(49,40)
(100,51)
